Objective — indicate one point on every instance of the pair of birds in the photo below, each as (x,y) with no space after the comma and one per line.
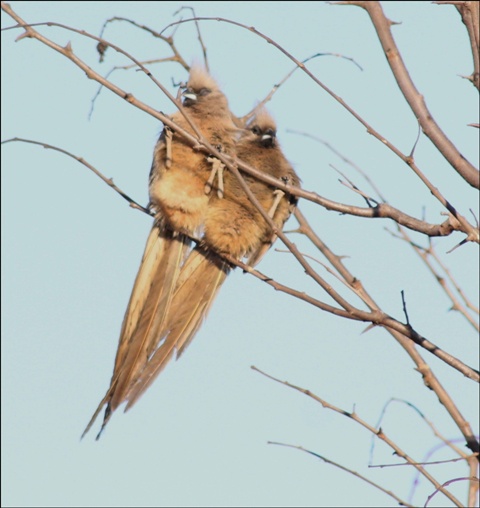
(191,195)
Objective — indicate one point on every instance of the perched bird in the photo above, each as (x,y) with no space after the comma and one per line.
(178,198)
(240,230)
(233,226)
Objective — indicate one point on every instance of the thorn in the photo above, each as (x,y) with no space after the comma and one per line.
(368,328)
(22,36)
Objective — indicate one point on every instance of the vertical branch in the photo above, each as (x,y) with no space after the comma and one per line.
(470,12)
(199,34)
(415,100)
(429,378)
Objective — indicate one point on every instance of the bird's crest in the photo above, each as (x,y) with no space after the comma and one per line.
(263,119)
(199,78)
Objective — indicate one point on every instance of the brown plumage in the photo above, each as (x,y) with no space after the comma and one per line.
(178,198)
(234,226)
(240,230)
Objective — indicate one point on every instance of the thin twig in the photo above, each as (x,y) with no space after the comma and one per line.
(421,251)
(473,235)
(169,40)
(429,378)
(414,99)
(346,469)
(244,119)
(108,181)
(404,305)
(199,34)
(449,482)
(378,432)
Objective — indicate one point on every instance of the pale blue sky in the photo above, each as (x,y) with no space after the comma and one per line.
(71,249)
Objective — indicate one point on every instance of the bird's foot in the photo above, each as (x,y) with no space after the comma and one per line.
(217,171)
(278,197)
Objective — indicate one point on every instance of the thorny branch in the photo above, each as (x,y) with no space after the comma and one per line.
(375,316)
(415,100)
(473,234)
(346,469)
(377,432)
(398,330)
(424,253)
(381,210)
(430,380)
(176,56)
(470,13)
(108,181)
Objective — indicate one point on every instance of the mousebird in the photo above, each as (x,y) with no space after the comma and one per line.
(178,198)
(233,226)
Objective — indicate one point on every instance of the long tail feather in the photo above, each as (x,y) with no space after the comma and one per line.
(146,314)
(148,330)
(199,282)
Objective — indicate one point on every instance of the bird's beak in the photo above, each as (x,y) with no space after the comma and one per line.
(189,95)
(268,138)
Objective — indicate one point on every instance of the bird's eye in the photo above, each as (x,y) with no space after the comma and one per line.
(256,130)
(204,91)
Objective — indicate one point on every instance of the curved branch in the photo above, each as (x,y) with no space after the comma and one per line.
(346,469)
(108,181)
(469,11)
(455,222)
(245,118)
(375,316)
(377,432)
(169,40)
(473,234)
(429,378)
(415,100)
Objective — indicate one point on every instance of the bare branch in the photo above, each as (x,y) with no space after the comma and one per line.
(199,34)
(449,482)
(415,100)
(470,13)
(244,119)
(404,304)
(455,222)
(425,254)
(430,380)
(346,469)
(422,463)
(108,181)
(169,40)
(472,233)
(474,487)
(377,432)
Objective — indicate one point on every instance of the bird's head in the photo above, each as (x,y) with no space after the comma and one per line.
(262,129)
(202,90)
